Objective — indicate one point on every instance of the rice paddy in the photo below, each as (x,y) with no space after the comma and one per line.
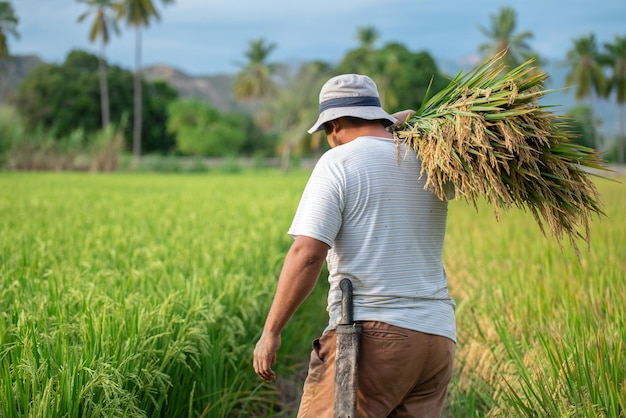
(142,295)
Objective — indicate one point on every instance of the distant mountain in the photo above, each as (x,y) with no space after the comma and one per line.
(215,89)
(13,70)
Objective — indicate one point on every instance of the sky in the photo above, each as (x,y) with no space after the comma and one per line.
(209,37)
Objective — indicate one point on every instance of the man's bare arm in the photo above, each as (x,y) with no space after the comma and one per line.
(298,277)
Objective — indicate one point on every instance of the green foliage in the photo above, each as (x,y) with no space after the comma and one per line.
(138,13)
(504,39)
(104,22)
(254,81)
(580,126)
(614,151)
(41,149)
(586,74)
(295,109)
(8,26)
(63,98)
(402,76)
(615,58)
(11,131)
(202,130)
(157,97)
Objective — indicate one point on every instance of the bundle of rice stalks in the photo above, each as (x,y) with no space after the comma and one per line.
(488,135)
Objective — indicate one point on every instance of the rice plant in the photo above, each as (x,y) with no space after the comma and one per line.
(144,294)
(137,295)
(541,329)
(487,134)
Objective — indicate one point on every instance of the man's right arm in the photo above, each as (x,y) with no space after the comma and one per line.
(298,277)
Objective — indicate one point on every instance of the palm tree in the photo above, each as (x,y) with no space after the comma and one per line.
(362,60)
(586,74)
(502,37)
(101,27)
(295,108)
(8,26)
(368,36)
(386,66)
(138,13)
(255,81)
(616,58)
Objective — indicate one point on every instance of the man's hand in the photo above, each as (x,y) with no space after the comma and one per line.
(403,116)
(265,356)
(298,276)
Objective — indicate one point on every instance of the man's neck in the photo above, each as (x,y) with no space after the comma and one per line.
(369,130)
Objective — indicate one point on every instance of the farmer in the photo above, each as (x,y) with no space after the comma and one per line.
(366,212)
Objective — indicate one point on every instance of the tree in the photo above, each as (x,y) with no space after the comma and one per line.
(138,13)
(360,59)
(156,99)
(101,27)
(255,82)
(586,75)
(61,98)
(64,98)
(402,76)
(202,130)
(8,26)
(616,59)
(580,126)
(368,36)
(296,108)
(502,37)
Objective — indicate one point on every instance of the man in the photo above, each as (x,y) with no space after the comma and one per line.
(368,215)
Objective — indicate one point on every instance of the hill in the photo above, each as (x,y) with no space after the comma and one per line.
(215,89)
(13,70)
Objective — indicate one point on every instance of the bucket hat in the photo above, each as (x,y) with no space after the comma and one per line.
(353,95)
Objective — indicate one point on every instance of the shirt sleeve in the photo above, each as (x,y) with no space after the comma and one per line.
(319,212)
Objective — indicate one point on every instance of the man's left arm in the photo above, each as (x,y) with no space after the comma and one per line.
(297,280)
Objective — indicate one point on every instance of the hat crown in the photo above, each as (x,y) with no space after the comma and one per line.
(352,95)
(348,85)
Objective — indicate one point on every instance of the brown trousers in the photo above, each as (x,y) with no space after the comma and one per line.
(402,373)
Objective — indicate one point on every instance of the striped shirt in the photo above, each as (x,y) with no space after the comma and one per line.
(386,234)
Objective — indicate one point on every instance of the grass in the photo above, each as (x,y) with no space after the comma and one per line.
(143,295)
(123,295)
(541,330)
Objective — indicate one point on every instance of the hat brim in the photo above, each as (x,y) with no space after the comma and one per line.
(362,112)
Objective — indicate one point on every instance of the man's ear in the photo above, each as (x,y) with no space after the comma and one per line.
(329,127)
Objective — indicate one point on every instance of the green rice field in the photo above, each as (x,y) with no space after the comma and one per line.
(142,295)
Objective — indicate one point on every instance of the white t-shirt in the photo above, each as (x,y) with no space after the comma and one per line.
(386,234)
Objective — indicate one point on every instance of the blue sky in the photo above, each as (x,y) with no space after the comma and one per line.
(206,37)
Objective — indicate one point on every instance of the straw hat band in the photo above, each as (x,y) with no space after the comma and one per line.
(349,102)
